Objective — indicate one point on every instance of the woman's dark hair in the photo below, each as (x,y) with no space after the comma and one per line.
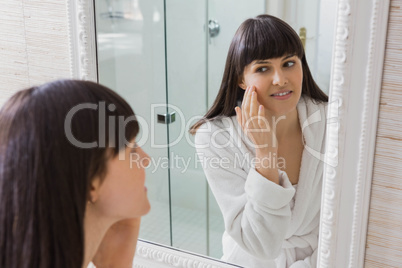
(45,177)
(259,38)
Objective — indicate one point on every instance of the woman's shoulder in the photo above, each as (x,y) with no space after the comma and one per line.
(221,123)
(217,129)
(313,119)
(308,106)
(308,101)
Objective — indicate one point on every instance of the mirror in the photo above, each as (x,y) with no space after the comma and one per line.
(172,53)
(342,230)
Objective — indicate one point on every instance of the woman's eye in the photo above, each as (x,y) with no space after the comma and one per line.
(289,64)
(262,69)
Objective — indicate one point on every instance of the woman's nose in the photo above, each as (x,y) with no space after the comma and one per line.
(278,78)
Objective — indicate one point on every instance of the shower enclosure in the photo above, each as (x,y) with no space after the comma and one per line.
(166,58)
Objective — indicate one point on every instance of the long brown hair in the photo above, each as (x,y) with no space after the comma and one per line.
(259,38)
(44,178)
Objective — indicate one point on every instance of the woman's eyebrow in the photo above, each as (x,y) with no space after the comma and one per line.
(289,56)
(261,62)
(267,61)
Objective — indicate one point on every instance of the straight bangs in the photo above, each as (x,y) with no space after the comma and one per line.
(262,39)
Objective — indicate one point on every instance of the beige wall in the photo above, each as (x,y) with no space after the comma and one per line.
(384,239)
(34,44)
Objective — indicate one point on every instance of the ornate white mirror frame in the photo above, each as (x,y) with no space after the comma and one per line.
(351,134)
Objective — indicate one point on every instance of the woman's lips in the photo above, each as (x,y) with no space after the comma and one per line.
(283,95)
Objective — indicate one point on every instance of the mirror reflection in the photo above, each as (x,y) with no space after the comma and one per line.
(174,52)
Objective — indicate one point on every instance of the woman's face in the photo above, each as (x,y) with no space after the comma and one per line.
(277,81)
(122,193)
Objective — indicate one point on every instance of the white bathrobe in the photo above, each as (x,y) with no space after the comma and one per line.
(266,224)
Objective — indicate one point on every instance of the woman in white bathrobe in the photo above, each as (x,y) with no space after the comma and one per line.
(262,160)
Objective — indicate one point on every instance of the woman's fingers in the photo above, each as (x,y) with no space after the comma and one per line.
(254,106)
(254,111)
(245,106)
(238,116)
(249,106)
(249,109)
(245,98)
(251,117)
(251,114)
(262,121)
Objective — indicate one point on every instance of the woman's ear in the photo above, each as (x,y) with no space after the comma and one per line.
(242,84)
(94,189)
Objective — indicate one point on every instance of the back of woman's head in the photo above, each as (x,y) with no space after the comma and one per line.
(260,38)
(54,139)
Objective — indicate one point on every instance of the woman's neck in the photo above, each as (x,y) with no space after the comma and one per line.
(285,126)
(94,231)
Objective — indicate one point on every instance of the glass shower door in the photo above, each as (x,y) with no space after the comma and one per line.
(131,60)
(198,34)
(186,84)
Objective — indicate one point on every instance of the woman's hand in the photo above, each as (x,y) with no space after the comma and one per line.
(251,117)
(117,248)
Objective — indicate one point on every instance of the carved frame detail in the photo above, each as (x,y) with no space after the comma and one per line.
(354,101)
(82,38)
(153,255)
(351,134)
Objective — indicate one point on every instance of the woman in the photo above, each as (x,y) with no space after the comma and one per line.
(68,192)
(268,184)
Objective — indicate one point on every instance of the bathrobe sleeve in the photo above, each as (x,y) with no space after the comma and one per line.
(309,262)
(256,211)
